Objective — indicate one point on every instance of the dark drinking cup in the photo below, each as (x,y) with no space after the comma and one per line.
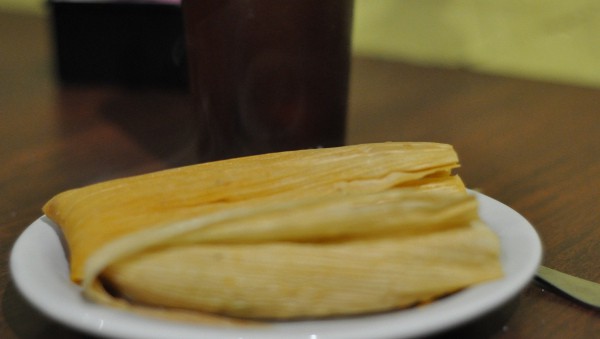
(268,75)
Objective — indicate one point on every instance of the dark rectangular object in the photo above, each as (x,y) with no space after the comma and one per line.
(134,43)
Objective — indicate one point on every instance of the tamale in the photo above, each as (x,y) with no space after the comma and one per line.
(102,212)
(282,281)
(309,233)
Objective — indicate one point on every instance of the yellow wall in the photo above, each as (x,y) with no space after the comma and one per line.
(547,39)
(554,40)
(31,6)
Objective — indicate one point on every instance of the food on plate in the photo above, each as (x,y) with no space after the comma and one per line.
(300,234)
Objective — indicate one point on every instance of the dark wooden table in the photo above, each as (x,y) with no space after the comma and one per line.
(532,145)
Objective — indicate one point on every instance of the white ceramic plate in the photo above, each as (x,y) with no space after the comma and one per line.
(40,271)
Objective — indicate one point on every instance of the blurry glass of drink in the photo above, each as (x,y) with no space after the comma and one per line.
(268,75)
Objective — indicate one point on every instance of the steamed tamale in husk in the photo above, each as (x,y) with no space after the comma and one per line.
(311,233)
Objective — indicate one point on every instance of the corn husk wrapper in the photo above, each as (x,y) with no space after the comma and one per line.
(311,233)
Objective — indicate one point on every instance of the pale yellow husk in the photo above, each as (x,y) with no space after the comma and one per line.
(94,215)
(296,280)
(310,233)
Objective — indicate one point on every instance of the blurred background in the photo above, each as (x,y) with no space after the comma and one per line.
(552,40)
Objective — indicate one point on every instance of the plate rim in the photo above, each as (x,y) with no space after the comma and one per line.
(108,322)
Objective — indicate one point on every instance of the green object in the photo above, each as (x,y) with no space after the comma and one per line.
(587,292)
